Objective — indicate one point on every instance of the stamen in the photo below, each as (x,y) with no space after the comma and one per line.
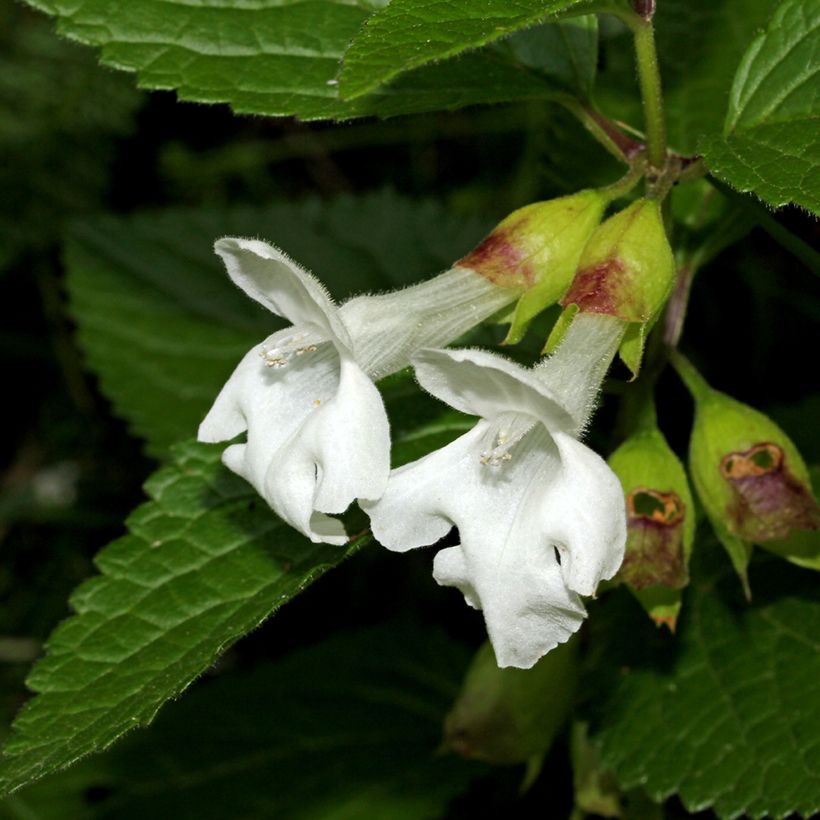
(286,348)
(499,453)
(502,439)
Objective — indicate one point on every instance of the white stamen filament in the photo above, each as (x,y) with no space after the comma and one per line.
(505,433)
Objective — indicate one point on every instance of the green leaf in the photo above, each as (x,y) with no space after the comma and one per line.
(344,729)
(276,59)
(162,325)
(769,145)
(566,51)
(204,562)
(700,43)
(410,33)
(726,713)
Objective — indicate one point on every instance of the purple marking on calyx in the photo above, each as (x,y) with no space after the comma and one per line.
(769,501)
(501,259)
(597,288)
(654,546)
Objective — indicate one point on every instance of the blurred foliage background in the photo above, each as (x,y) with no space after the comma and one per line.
(78,139)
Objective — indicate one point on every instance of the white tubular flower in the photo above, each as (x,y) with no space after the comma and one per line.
(317,433)
(540,517)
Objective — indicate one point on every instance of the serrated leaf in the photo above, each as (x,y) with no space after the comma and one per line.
(277,59)
(162,325)
(769,145)
(205,561)
(699,45)
(410,33)
(725,713)
(300,755)
(566,51)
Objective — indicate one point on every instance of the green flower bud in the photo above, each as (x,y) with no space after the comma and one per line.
(536,249)
(751,479)
(512,715)
(660,523)
(626,270)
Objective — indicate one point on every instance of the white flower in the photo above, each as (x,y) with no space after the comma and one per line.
(540,516)
(317,433)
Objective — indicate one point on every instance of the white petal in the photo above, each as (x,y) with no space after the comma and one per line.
(413,511)
(485,384)
(527,608)
(273,405)
(274,280)
(348,439)
(585,517)
(271,401)
(506,563)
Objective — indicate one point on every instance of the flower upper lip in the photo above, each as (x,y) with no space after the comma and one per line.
(485,384)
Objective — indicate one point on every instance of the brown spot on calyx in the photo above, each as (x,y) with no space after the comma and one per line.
(503,258)
(654,547)
(663,508)
(597,288)
(756,461)
(769,502)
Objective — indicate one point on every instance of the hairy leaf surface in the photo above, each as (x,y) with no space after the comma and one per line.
(770,143)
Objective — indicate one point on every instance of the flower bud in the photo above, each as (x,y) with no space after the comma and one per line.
(510,715)
(750,477)
(537,249)
(660,523)
(626,270)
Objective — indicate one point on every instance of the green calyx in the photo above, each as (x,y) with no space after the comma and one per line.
(506,716)
(660,522)
(751,479)
(627,270)
(536,250)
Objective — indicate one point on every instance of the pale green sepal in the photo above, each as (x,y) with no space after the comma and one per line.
(536,249)
(662,604)
(519,322)
(596,789)
(631,349)
(531,773)
(509,715)
(802,548)
(740,553)
(658,550)
(543,242)
(559,329)
(627,268)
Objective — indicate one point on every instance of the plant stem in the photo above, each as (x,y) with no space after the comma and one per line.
(698,386)
(625,184)
(650,82)
(676,307)
(615,141)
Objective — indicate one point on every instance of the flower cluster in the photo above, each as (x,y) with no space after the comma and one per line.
(540,517)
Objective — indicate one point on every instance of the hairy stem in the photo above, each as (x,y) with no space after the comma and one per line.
(650,82)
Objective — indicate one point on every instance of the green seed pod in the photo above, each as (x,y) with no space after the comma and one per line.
(512,715)
(537,249)
(660,523)
(751,479)
(626,270)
